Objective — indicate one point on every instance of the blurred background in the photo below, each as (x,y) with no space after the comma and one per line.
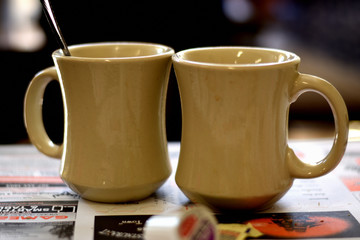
(324,33)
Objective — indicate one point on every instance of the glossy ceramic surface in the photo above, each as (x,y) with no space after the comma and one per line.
(115,146)
(235,105)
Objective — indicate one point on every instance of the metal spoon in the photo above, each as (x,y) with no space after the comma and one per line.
(55,27)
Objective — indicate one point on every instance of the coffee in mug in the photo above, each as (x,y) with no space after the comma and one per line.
(235,107)
(115,146)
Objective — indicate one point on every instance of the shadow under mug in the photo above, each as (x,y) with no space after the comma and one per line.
(235,106)
(114,147)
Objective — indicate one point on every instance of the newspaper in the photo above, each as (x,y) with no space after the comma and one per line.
(36,204)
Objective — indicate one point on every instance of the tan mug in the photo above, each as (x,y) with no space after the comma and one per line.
(115,146)
(235,106)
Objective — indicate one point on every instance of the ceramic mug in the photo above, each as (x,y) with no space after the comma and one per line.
(114,147)
(235,106)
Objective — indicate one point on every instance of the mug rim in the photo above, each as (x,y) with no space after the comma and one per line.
(167,51)
(292,58)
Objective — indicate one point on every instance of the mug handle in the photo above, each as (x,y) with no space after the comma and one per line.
(33,113)
(309,83)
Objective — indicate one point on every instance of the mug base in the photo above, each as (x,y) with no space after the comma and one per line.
(116,195)
(223,204)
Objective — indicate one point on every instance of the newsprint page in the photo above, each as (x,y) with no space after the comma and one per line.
(36,204)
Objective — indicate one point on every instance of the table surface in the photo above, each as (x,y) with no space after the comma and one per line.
(36,204)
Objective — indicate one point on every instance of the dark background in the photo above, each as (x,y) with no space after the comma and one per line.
(327,29)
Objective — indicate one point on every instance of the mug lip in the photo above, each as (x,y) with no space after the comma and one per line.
(167,51)
(291,59)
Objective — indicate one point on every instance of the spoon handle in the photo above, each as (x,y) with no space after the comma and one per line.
(53,23)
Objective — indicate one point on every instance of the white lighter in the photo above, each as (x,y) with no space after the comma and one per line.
(195,223)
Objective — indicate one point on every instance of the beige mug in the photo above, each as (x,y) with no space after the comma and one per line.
(235,106)
(114,147)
